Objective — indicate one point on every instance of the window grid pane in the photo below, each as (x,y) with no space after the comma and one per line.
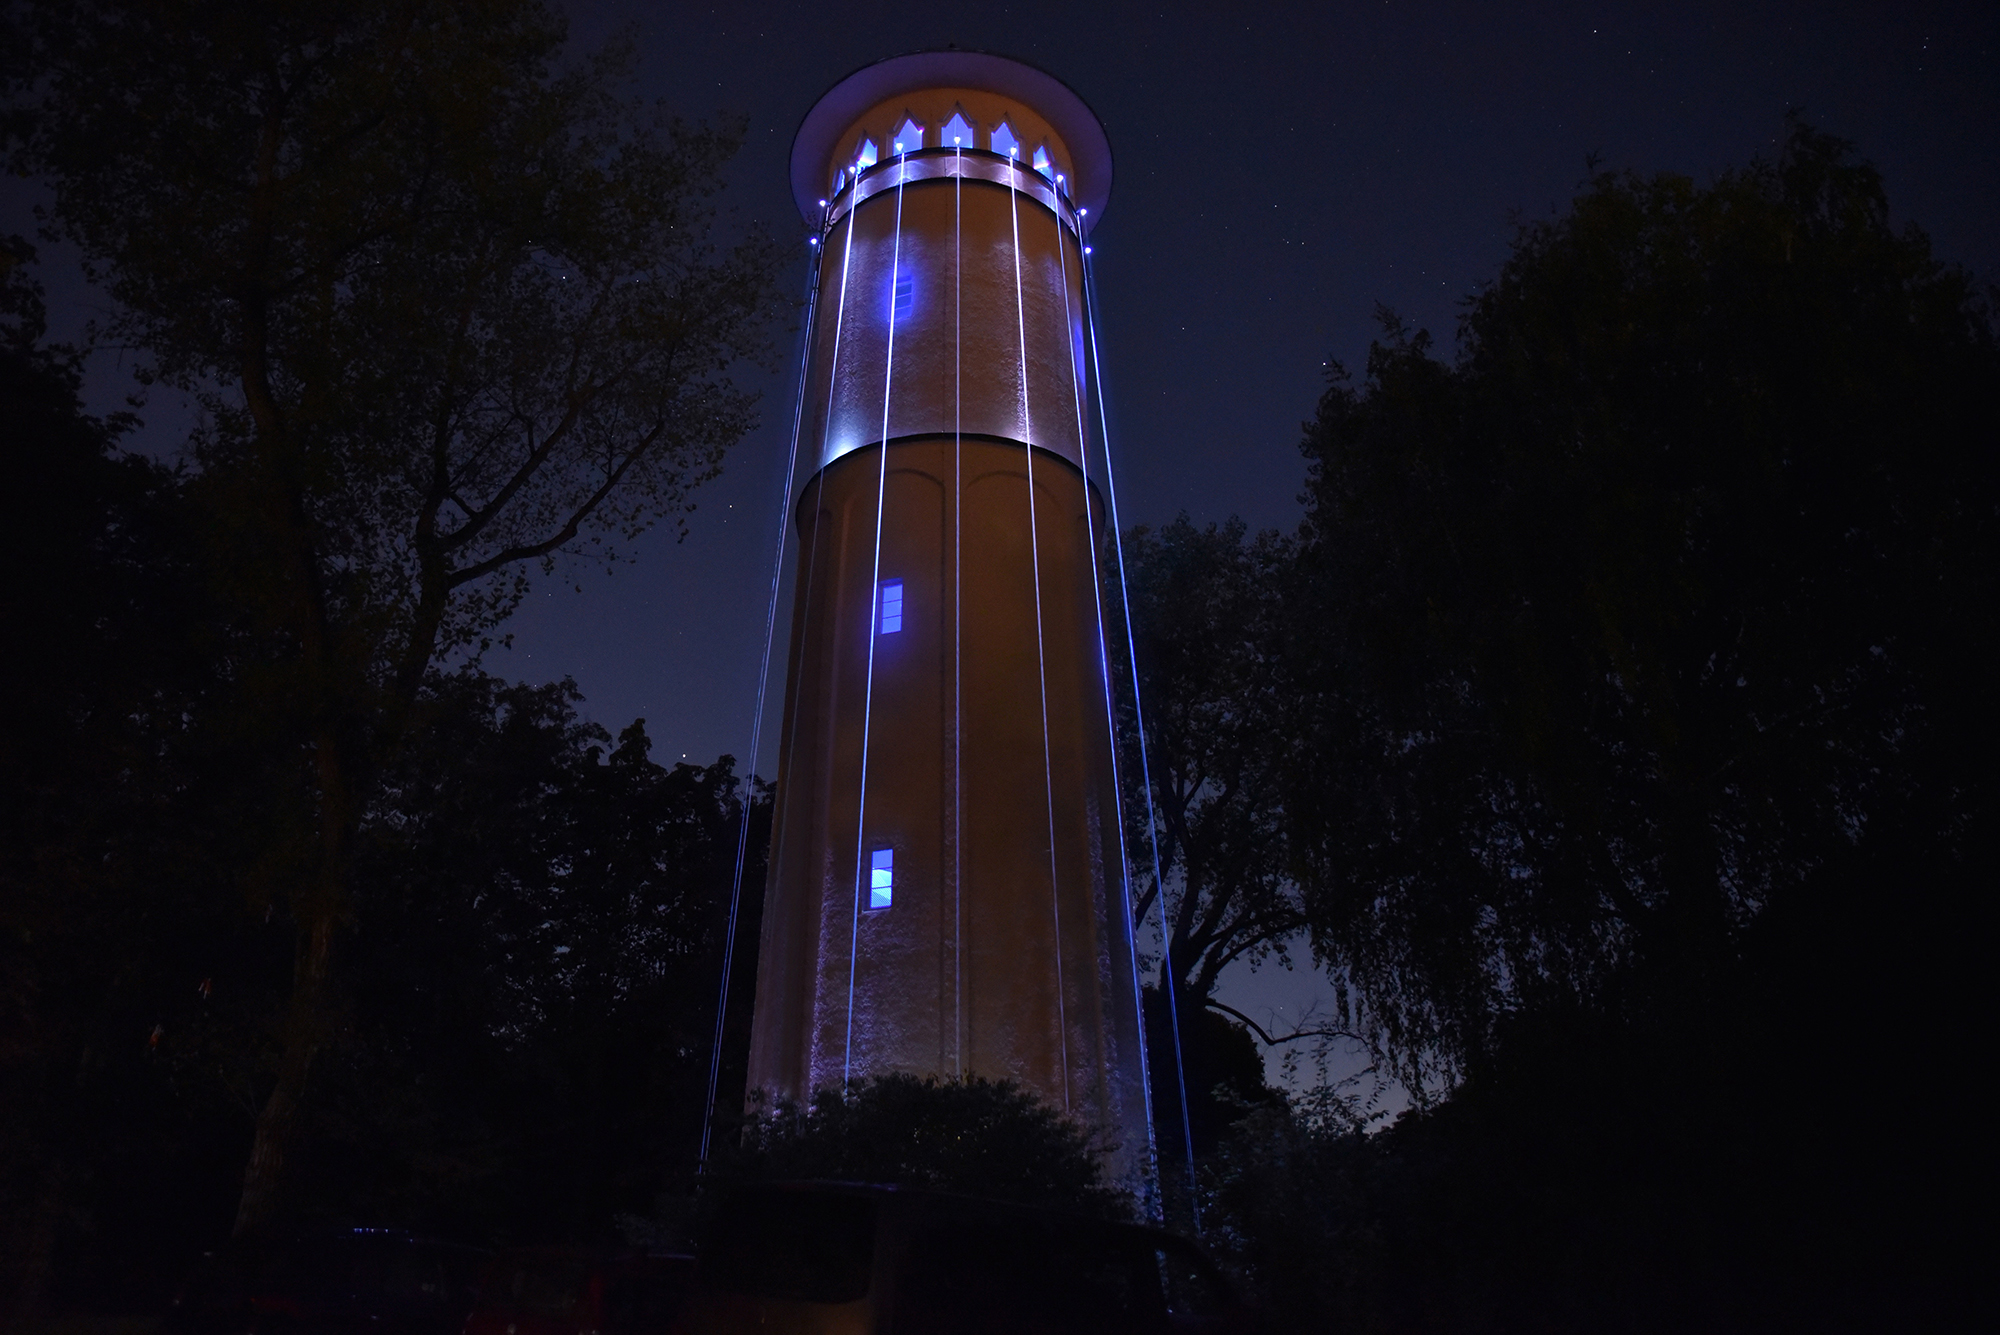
(881,878)
(891,619)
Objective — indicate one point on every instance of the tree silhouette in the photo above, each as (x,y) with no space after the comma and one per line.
(450,307)
(1664,594)
(975,1137)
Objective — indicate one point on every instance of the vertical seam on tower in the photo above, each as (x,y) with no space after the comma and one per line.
(874,584)
(1041,665)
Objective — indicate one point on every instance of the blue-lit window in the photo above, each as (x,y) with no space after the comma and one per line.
(1045,164)
(957,131)
(1005,142)
(909,137)
(891,619)
(839,180)
(881,878)
(865,158)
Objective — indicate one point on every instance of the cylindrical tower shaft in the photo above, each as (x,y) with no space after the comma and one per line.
(947,892)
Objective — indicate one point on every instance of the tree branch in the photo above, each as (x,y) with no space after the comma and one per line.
(1271,1042)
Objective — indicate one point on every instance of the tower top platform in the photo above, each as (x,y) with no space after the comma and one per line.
(1038,92)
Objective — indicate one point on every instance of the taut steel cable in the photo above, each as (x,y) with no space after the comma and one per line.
(757,720)
(1145,763)
(1041,660)
(874,596)
(1104,675)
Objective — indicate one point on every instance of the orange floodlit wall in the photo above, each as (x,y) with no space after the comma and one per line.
(947,893)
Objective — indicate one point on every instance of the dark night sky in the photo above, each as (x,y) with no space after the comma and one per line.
(1279,171)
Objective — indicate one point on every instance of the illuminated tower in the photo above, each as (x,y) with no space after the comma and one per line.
(947,891)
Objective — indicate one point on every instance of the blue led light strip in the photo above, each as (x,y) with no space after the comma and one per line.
(1041,663)
(1110,706)
(1145,764)
(957,629)
(874,583)
(757,720)
(790,742)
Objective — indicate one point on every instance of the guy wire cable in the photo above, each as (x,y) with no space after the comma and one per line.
(1104,662)
(1145,764)
(790,741)
(1041,660)
(874,613)
(957,611)
(757,720)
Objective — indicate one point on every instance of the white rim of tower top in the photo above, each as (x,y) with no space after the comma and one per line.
(856,185)
(1087,176)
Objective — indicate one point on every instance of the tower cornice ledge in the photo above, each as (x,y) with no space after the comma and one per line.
(1067,113)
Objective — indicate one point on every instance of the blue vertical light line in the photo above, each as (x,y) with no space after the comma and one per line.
(1104,675)
(790,742)
(1145,763)
(874,583)
(1041,661)
(957,612)
(757,720)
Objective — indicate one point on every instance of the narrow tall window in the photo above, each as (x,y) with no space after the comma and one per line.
(909,137)
(906,295)
(1005,142)
(1045,164)
(881,878)
(866,158)
(958,131)
(891,619)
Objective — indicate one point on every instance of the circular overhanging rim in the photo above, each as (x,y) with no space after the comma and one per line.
(1042,93)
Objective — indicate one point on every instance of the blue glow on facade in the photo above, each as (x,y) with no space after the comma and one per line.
(881,878)
(904,297)
(891,619)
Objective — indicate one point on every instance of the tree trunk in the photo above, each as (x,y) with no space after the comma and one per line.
(319,912)
(277,1121)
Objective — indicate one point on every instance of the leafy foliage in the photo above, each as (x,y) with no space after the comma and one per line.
(530,1004)
(116,816)
(1663,595)
(451,307)
(470,299)
(1207,615)
(975,1137)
